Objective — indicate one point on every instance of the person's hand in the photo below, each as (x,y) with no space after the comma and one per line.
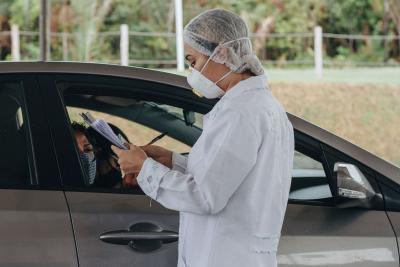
(130,180)
(160,154)
(130,161)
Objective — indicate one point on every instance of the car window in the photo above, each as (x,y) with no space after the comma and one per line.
(14,164)
(309,181)
(179,113)
(136,121)
(136,133)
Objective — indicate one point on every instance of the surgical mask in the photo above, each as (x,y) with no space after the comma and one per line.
(89,165)
(201,85)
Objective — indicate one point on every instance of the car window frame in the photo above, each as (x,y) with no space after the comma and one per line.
(70,167)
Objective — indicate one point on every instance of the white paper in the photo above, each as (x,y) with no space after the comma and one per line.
(102,127)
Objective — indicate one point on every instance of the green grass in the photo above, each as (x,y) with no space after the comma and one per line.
(345,75)
(367,115)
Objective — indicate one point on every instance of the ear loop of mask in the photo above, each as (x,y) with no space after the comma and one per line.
(220,45)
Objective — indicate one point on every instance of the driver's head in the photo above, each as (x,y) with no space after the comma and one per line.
(86,152)
(82,141)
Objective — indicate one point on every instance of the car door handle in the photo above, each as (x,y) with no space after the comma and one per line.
(142,237)
(123,237)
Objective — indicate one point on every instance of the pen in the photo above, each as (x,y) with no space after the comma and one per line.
(157,138)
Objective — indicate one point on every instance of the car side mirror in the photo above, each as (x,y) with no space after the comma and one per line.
(353,188)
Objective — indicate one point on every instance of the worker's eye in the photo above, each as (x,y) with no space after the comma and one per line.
(192,64)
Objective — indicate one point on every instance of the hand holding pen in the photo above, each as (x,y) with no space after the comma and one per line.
(145,148)
(148,144)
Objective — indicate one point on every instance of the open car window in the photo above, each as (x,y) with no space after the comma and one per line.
(137,133)
(137,121)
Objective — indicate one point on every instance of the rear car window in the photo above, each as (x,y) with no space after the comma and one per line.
(14,167)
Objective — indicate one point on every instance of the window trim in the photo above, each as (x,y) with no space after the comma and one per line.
(67,154)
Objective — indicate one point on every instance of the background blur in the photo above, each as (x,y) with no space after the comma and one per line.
(335,63)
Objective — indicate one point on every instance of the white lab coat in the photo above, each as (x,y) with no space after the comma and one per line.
(232,189)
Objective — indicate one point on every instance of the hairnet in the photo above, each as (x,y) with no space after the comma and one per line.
(224,37)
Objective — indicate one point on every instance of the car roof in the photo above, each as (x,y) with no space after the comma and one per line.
(380,165)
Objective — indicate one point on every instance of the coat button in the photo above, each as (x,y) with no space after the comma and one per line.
(150,179)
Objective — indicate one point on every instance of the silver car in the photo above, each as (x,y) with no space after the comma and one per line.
(342,211)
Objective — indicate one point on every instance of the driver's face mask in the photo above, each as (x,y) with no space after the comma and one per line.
(201,85)
(89,164)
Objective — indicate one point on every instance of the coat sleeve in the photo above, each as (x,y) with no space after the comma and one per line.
(230,146)
(179,162)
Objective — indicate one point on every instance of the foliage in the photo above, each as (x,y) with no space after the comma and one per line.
(85,21)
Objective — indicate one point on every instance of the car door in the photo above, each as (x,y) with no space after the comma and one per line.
(316,232)
(35,225)
(117,226)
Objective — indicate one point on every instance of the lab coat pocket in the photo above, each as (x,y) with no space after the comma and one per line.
(264,243)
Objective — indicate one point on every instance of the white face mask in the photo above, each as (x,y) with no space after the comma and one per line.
(89,164)
(202,86)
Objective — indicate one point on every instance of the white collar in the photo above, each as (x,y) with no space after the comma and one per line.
(254,82)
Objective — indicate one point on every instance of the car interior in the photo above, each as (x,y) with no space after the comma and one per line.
(149,114)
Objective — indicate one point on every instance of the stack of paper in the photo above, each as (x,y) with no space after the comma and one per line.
(104,129)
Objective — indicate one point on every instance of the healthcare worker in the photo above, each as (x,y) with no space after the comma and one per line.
(232,189)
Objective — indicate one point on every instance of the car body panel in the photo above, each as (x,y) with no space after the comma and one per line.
(35,224)
(96,213)
(395,220)
(330,236)
(35,229)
